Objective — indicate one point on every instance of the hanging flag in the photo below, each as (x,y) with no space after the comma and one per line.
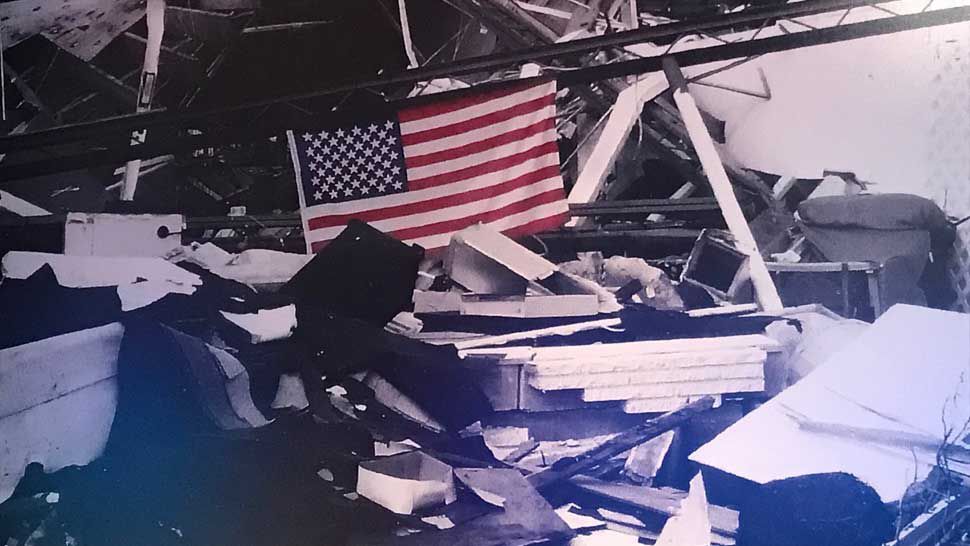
(427,171)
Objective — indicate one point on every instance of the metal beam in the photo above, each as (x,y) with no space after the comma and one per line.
(109,128)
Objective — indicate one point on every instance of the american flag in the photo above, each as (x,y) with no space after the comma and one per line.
(428,171)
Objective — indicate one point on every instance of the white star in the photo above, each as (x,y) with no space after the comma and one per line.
(355,183)
(370,166)
(389,178)
(341,133)
(318,195)
(307,137)
(334,140)
(398,185)
(326,149)
(382,187)
(348,192)
(369,152)
(342,147)
(356,131)
(334,194)
(328,164)
(365,190)
(316,143)
(396,170)
(386,163)
(367,138)
(359,145)
(383,133)
(394,155)
(355,168)
(324,134)
(316,180)
(373,127)
(339,184)
(345,162)
(389,125)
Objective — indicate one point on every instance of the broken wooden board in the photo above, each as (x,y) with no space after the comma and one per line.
(658,377)
(698,388)
(666,501)
(585,359)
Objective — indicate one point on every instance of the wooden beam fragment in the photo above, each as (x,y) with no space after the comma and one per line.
(571,466)
(665,501)
(764,287)
(625,113)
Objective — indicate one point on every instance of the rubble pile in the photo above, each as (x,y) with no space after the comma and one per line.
(380,394)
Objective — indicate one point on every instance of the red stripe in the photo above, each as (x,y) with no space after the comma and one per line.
(482,145)
(437,203)
(489,216)
(536,226)
(443,107)
(487,167)
(491,118)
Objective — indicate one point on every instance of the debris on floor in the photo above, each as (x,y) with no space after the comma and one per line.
(483,395)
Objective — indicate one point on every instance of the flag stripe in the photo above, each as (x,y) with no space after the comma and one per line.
(437,203)
(550,196)
(512,136)
(454,212)
(385,201)
(549,111)
(485,168)
(476,110)
(469,161)
(515,225)
(421,112)
(466,125)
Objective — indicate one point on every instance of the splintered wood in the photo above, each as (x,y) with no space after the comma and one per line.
(653,376)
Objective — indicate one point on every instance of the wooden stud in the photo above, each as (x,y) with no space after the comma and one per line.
(764,287)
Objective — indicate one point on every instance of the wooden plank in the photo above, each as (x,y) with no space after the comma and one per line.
(571,466)
(661,377)
(660,390)
(626,111)
(723,190)
(660,346)
(665,501)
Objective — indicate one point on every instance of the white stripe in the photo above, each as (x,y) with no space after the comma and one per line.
(451,213)
(503,224)
(473,160)
(480,109)
(385,201)
(482,133)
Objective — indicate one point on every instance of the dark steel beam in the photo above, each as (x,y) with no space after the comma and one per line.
(491,63)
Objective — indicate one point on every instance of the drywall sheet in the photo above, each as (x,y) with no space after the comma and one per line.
(867,410)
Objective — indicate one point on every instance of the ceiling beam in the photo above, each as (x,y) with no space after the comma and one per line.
(110,128)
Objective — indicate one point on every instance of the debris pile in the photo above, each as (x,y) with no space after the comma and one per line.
(380,394)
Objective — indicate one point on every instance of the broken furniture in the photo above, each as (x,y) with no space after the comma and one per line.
(908,237)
